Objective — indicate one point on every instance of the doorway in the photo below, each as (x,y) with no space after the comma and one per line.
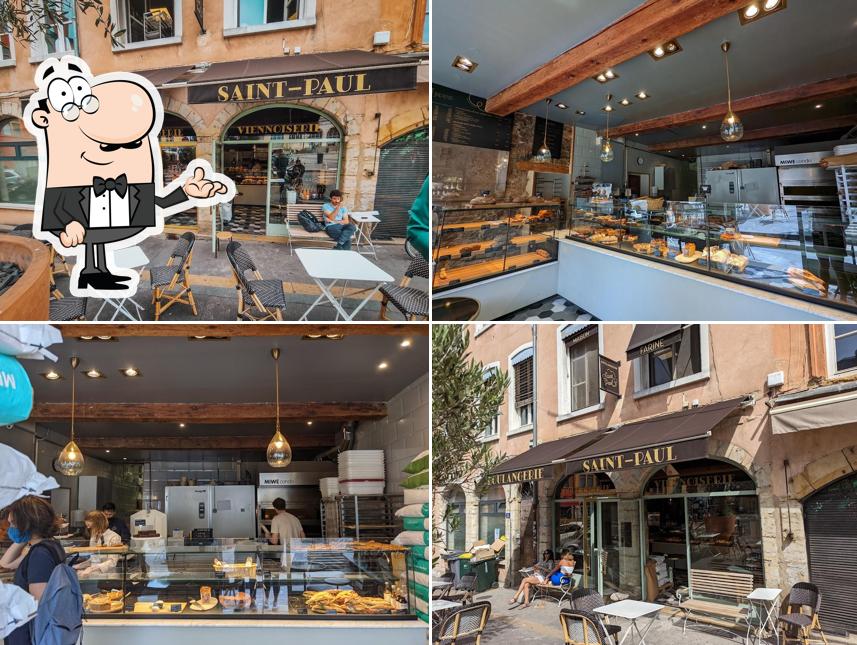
(638,183)
(614,553)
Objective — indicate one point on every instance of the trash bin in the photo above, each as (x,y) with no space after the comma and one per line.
(484,570)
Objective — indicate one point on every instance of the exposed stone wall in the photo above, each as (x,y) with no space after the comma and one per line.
(523,131)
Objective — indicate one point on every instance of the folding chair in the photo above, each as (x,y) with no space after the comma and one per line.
(172,281)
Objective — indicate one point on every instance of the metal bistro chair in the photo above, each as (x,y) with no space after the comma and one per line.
(439,594)
(265,296)
(467,622)
(172,281)
(581,628)
(465,589)
(412,302)
(587,600)
(793,619)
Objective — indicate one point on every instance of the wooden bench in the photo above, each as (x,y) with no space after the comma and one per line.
(732,588)
(297,233)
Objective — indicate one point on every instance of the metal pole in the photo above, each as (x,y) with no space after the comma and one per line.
(534,328)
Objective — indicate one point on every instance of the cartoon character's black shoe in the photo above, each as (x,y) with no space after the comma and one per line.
(103,281)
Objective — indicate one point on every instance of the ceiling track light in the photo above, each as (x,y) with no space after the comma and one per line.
(760,9)
(665,50)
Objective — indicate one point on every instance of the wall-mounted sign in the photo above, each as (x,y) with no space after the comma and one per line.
(461,119)
(517,476)
(307,86)
(644,457)
(275,128)
(290,479)
(608,375)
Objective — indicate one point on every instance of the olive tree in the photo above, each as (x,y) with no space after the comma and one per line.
(25,20)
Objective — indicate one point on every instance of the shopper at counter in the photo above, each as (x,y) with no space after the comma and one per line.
(116,523)
(337,221)
(284,525)
(32,523)
(99,536)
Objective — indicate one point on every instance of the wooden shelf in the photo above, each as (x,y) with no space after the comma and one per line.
(561,167)
(501,205)
(477,270)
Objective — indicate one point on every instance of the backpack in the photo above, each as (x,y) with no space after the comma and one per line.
(310,222)
(59,619)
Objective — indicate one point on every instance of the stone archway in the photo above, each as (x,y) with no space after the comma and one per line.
(823,471)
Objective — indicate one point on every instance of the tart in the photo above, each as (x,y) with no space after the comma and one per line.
(630,238)
(100,602)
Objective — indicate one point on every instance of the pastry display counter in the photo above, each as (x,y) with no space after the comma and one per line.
(478,241)
(797,251)
(231,579)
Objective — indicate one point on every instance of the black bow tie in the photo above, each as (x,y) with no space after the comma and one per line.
(120,185)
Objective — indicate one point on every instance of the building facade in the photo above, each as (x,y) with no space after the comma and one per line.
(291,99)
(729,448)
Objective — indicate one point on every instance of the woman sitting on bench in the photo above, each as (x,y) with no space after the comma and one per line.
(541,572)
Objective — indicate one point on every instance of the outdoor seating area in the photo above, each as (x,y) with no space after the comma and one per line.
(184,278)
(587,618)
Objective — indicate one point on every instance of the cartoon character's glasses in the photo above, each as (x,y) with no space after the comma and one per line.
(71,111)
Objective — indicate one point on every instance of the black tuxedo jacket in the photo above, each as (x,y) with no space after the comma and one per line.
(62,206)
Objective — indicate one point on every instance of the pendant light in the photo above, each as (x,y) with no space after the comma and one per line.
(607,147)
(70,460)
(731,129)
(544,153)
(279,451)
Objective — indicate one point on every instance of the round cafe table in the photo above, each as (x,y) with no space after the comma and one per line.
(454,309)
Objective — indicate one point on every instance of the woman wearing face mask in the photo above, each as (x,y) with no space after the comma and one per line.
(99,535)
(32,523)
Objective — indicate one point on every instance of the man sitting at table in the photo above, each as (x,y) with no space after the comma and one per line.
(337,223)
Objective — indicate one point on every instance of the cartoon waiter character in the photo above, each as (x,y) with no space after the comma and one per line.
(100,180)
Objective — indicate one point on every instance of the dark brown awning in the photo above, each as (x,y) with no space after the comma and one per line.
(679,436)
(648,338)
(531,465)
(164,75)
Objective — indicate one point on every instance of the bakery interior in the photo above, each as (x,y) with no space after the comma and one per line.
(177,428)
(700,155)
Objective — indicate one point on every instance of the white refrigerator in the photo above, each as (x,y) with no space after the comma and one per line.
(745,186)
(229,510)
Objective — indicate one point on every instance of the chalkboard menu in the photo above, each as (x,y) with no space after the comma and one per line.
(554,137)
(461,118)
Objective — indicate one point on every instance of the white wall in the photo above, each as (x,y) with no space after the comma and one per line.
(402,434)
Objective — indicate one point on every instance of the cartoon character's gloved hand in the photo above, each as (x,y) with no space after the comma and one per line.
(201,188)
(73,235)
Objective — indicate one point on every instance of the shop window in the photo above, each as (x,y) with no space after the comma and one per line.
(843,348)
(681,361)
(59,30)
(177,140)
(455,525)
(247,15)
(20,162)
(492,515)
(521,387)
(580,352)
(148,21)
(7,48)
(493,429)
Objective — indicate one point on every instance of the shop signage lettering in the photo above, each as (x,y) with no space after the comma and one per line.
(635,459)
(282,128)
(655,345)
(307,86)
(516,477)
(608,371)
(696,483)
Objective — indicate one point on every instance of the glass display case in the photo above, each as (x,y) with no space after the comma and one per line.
(479,241)
(794,250)
(306,578)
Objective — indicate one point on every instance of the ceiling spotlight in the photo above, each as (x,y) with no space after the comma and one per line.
(562,106)
(52,375)
(383,365)
(636,134)
(124,458)
(107,450)
(464,64)
(605,77)
(666,49)
(105,338)
(131,372)
(182,425)
(309,423)
(818,106)
(658,52)
(642,95)
(609,74)
(608,108)
(625,102)
(704,126)
(759,9)
(752,11)
(93,373)
(770,5)
(323,336)
(580,112)
(405,343)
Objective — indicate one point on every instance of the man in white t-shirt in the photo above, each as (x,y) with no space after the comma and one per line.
(284,525)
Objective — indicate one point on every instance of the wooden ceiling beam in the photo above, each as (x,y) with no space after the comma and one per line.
(817,91)
(197,443)
(224,413)
(816,125)
(648,26)
(76,330)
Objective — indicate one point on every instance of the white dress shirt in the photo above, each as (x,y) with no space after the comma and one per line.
(109,210)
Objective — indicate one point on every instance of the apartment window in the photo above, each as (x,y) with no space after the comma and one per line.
(581,349)
(844,347)
(7,47)
(681,357)
(19,161)
(522,388)
(249,14)
(59,30)
(147,21)
(493,429)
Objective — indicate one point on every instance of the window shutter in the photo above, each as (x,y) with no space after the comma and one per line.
(524,382)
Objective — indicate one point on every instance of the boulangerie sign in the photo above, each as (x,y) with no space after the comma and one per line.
(16,393)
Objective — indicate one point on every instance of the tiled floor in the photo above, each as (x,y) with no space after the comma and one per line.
(246,219)
(553,308)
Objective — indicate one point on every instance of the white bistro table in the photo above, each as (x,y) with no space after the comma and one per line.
(327,267)
(632,610)
(365,221)
(132,257)
(766,600)
(440,608)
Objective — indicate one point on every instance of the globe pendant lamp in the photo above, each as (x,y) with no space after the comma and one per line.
(731,129)
(544,154)
(70,460)
(606,146)
(279,451)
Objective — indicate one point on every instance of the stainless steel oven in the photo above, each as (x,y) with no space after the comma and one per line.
(803,182)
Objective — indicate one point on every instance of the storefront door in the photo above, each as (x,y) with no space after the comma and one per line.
(278,191)
(247,164)
(614,555)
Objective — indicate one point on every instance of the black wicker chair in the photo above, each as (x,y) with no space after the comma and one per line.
(258,299)
(67,309)
(587,600)
(442,592)
(465,589)
(412,302)
(466,622)
(171,283)
(796,624)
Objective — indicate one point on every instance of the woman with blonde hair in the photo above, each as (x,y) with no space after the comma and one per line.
(99,536)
